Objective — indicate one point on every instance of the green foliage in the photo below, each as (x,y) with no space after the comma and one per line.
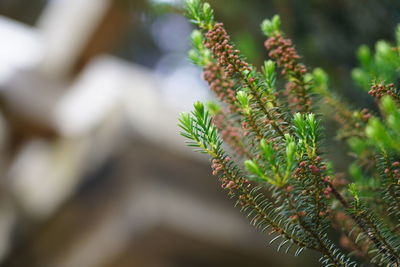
(278,173)
(199,13)
(383,65)
(199,55)
(321,81)
(199,129)
(269,74)
(271,27)
(385,134)
(306,127)
(244,101)
(213,107)
(354,192)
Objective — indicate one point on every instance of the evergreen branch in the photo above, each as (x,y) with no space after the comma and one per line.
(218,41)
(282,51)
(352,122)
(319,238)
(282,151)
(209,143)
(390,185)
(369,228)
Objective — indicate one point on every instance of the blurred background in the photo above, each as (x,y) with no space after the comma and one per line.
(93,171)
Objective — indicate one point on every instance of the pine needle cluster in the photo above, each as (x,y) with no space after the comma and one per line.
(266,145)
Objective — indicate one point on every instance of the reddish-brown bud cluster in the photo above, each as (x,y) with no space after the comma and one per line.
(327,192)
(227,130)
(246,127)
(221,85)
(327,179)
(216,167)
(230,133)
(229,185)
(313,168)
(393,170)
(365,115)
(251,125)
(284,54)
(281,50)
(380,90)
(218,41)
(303,164)
(299,101)
(228,182)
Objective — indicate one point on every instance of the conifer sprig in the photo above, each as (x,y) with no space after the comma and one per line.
(280,177)
(203,136)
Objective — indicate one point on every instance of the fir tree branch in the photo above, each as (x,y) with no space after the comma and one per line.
(208,143)
(368,227)
(218,41)
(283,154)
(282,51)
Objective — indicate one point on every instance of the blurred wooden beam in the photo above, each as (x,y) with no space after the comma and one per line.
(109,33)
